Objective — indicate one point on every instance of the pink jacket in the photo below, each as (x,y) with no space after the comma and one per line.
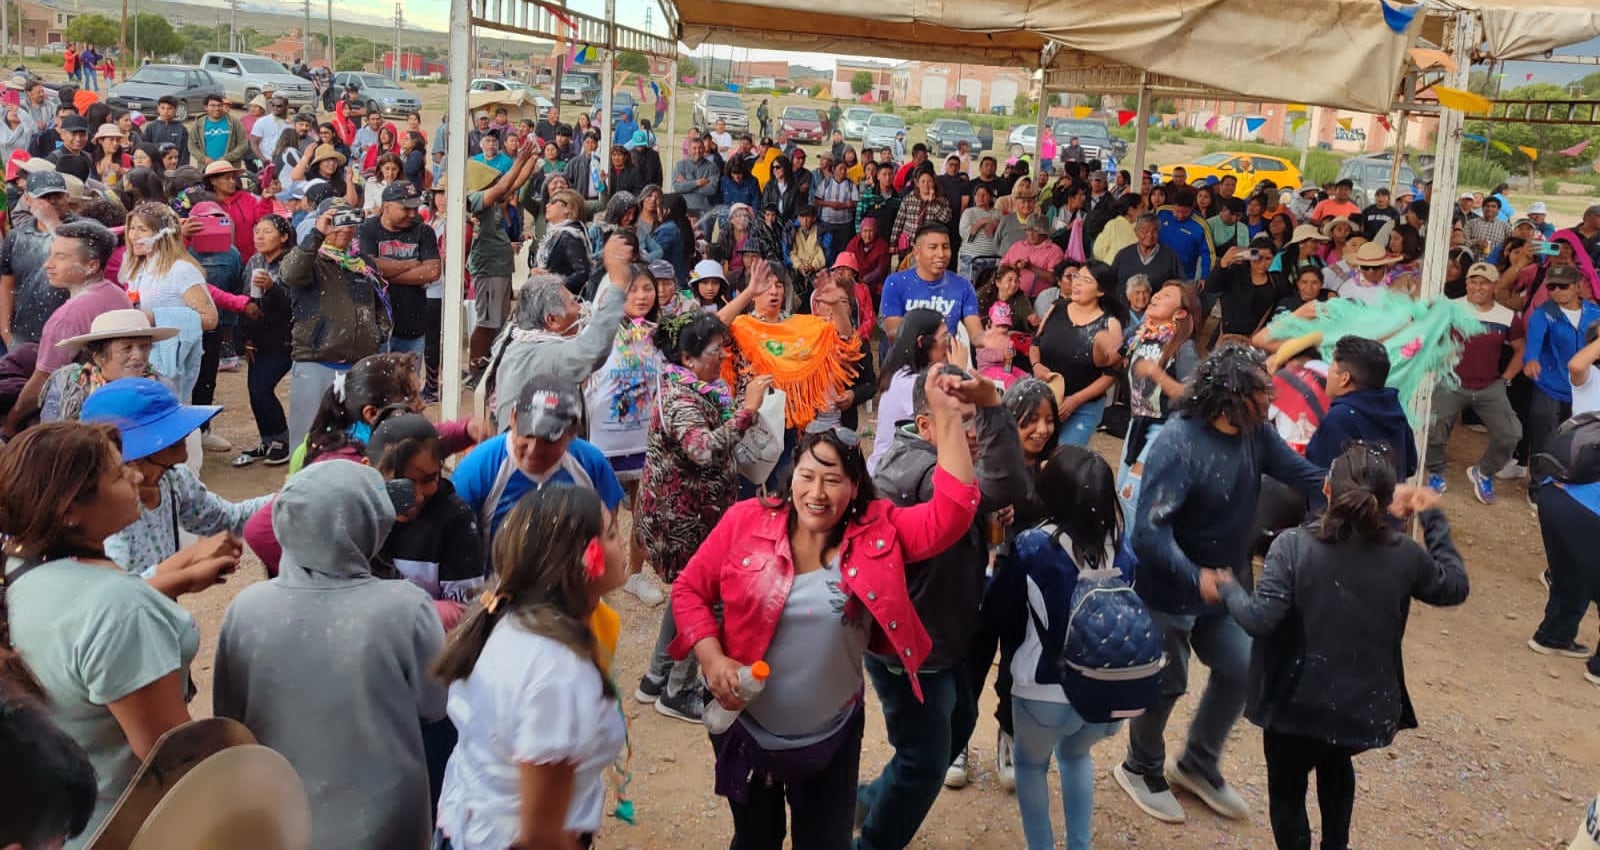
(746,564)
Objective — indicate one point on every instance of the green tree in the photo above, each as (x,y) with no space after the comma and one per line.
(1590,85)
(94,29)
(637,63)
(349,62)
(150,33)
(1022,106)
(688,67)
(1544,138)
(861,83)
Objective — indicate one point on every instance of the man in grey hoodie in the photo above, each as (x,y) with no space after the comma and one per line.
(930,734)
(328,665)
(695,178)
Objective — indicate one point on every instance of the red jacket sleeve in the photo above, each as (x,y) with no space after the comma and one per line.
(699,587)
(226,300)
(453,436)
(927,529)
(258,535)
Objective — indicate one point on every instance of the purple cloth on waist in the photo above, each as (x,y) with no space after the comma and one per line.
(741,762)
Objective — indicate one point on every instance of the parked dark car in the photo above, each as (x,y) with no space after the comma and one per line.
(139,93)
(945,134)
(383,95)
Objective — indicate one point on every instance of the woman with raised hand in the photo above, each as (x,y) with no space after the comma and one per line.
(805,582)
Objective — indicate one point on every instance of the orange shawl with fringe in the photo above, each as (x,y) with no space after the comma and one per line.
(805,357)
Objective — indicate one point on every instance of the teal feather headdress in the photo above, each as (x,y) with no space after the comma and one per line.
(1423,337)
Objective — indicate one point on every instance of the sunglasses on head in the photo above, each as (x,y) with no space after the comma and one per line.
(844,435)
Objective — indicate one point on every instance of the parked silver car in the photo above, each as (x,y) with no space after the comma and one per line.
(854,121)
(709,106)
(881,130)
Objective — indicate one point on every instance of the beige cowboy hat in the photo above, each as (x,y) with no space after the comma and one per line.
(1327,226)
(118,324)
(220,167)
(1057,385)
(109,131)
(243,798)
(259,100)
(1372,254)
(1307,233)
(322,152)
(480,176)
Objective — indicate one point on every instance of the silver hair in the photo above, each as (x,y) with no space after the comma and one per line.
(1138,281)
(540,299)
(1148,218)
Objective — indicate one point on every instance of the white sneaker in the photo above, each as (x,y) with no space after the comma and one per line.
(644,589)
(958,776)
(1221,798)
(213,442)
(1512,470)
(1004,763)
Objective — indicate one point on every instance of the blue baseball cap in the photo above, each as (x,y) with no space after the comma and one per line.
(147,413)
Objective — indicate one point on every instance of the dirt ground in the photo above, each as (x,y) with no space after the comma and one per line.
(1505,758)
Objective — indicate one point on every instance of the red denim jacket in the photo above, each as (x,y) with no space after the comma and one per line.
(746,565)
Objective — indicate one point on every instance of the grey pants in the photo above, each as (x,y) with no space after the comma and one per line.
(1222,644)
(307,384)
(1493,408)
(678,675)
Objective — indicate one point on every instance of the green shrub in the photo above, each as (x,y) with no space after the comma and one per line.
(1550,186)
(1478,174)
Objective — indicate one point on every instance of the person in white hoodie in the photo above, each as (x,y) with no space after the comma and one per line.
(328,664)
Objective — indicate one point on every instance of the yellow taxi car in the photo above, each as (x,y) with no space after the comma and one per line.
(1248,168)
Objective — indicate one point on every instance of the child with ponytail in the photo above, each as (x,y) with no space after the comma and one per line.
(529,687)
(1329,614)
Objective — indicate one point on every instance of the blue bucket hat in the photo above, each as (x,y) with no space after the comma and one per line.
(147,413)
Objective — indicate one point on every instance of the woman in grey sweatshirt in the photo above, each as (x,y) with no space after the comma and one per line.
(328,665)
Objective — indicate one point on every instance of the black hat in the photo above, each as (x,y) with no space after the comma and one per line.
(42,183)
(319,191)
(74,124)
(547,407)
(403,192)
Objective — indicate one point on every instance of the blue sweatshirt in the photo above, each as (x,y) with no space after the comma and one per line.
(1188,240)
(1373,416)
(747,191)
(1552,340)
(1198,504)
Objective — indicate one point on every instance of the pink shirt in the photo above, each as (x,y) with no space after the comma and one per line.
(1045,255)
(73,319)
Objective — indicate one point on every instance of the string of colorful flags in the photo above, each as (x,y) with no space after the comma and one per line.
(1530,152)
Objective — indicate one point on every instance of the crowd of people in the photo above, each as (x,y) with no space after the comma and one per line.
(848,411)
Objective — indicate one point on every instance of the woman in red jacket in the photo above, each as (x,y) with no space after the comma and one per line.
(806,583)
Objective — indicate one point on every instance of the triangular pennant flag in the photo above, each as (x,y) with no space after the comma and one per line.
(1253,124)
(1081,111)
(1124,116)
(1211,123)
(1575,149)
(1464,101)
(640,81)
(1500,146)
(1474,137)
(1295,124)
(1528,78)
(1426,58)
(1397,18)
(1345,124)
(1383,121)
(1531,153)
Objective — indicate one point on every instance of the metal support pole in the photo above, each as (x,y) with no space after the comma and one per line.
(1141,133)
(1436,247)
(330,51)
(608,80)
(1038,139)
(455,225)
(671,152)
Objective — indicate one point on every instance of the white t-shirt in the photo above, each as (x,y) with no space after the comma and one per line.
(621,395)
(724,142)
(268,128)
(165,289)
(372,199)
(529,700)
(1586,396)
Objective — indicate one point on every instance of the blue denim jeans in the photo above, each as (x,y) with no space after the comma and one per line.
(1079,427)
(923,735)
(1224,647)
(401,345)
(1129,481)
(1043,728)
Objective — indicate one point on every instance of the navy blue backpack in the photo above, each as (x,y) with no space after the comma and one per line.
(1112,654)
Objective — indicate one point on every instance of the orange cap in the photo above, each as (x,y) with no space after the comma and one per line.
(760,671)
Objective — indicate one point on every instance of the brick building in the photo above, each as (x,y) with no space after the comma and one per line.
(287,50)
(845,70)
(44,22)
(942,85)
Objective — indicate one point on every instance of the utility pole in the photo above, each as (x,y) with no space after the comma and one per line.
(122,40)
(305,38)
(399,21)
(330,36)
(233,26)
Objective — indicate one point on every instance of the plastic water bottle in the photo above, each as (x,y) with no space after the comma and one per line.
(752,680)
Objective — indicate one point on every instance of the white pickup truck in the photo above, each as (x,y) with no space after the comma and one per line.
(245,75)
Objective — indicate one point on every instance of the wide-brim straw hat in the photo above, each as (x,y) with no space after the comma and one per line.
(322,152)
(242,798)
(1307,233)
(1327,226)
(480,176)
(1373,254)
(118,324)
(1058,386)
